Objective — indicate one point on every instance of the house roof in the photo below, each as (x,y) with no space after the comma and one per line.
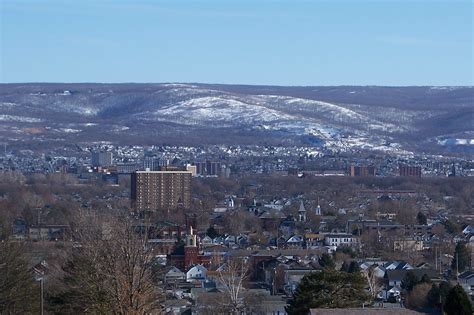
(272,214)
(398,265)
(295,239)
(198,267)
(398,275)
(466,275)
(363,311)
(173,269)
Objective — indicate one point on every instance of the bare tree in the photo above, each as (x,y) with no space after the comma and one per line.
(417,298)
(374,282)
(231,278)
(110,270)
(19,294)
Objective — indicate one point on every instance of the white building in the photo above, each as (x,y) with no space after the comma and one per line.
(197,272)
(341,239)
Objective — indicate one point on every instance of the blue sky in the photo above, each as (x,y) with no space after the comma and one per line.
(404,42)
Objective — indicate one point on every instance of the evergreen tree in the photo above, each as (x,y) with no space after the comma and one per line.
(351,267)
(437,295)
(421,218)
(211,232)
(409,281)
(345,266)
(433,297)
(457,302)
(328,289)
(425,279)
(451,227)
(354,267)
(326,261)
(462,257)
(444,289)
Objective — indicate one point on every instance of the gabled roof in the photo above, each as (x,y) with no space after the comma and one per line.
(206,239)
(295,239)
(398,265)
(174,270)
(398,275)
(468,230)
(198,267)
(466,275)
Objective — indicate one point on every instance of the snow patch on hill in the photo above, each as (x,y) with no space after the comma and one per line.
(19,119)
(218,111)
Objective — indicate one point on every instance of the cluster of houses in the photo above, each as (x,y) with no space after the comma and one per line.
(277,274)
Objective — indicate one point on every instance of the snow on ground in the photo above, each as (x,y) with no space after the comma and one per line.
(19,119)
(68,130)
(220,111)
(456,141)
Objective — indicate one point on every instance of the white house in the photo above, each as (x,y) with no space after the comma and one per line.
(206,240)
(295,241)
(174,275)
(197,272)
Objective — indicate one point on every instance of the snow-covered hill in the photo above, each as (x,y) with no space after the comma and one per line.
(379,118)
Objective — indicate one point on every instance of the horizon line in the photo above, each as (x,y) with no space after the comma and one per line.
(235,84)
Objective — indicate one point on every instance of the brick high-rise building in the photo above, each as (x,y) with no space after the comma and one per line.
(161,190)
(410,171)
(361,171)
(208,168)
(213,168)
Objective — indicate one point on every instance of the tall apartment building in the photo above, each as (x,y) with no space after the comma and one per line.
(361,171)
(154,163)
(213,168)
(409,171)
(208,168)
(102,158)
(200,168)
(161,190)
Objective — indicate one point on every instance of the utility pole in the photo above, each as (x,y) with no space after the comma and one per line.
(457,267)
(42,295)
(41,281)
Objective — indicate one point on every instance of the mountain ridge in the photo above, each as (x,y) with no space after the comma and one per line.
(337,117)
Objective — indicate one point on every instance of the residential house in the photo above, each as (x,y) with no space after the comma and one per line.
(313,240)
(174,275)
(466,279)
(295,241)
(196,273)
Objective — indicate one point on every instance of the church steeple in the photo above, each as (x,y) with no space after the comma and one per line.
(318,209)
(191,239)
(190,249)
(302,212)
